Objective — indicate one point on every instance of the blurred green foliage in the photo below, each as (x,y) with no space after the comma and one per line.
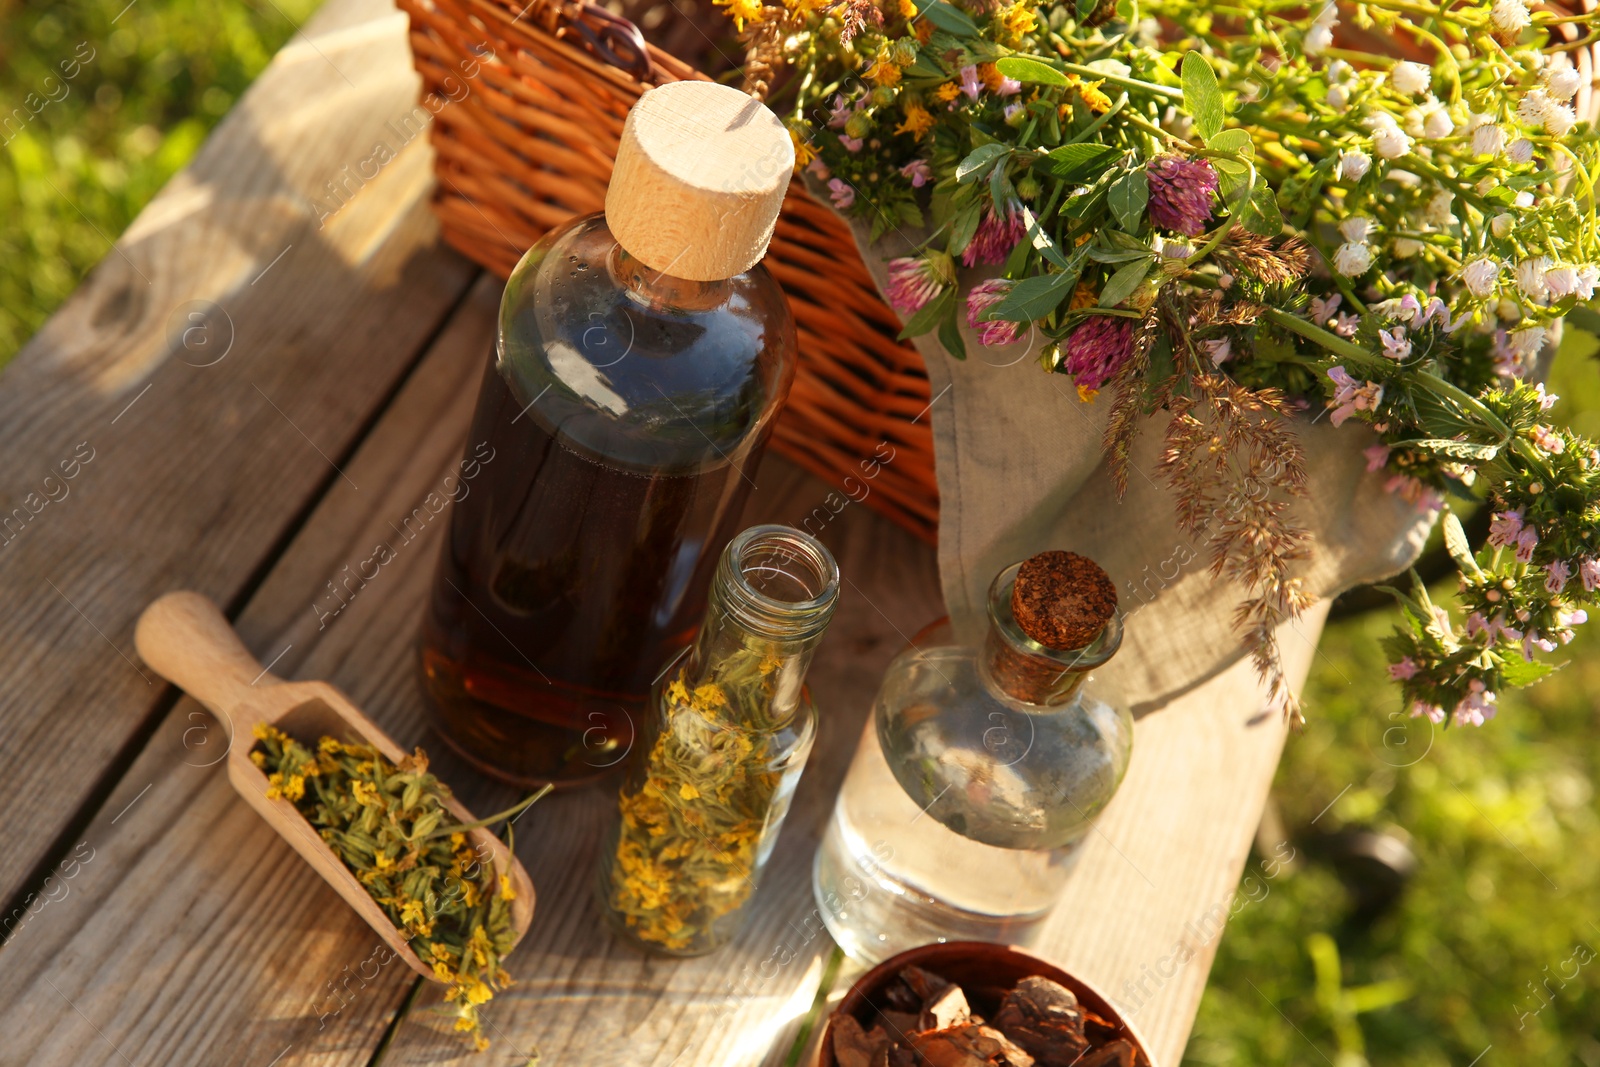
(101,101)
(1496,937)
(1503,820)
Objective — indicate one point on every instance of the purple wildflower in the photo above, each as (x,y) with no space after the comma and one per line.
(1478,706)
(1405,670)
(915,280)
(1009,87)
(1504,526)
(1589,571)
(997,235)
(851,144)
(1377,456)
(1547,439)
(1098,349)
(919,172)
(971,84)
(1534,641)
(1352,396)
(983,296)
(1180,194)
(1556,576)
(1433,712)
(1526,542)
(839,112)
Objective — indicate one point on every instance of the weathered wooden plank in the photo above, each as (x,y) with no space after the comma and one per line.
(145,447)
(250,979)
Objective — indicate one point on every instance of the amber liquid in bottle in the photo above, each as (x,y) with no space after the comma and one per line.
(624,416)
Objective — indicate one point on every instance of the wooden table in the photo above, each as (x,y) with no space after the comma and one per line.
(256,386)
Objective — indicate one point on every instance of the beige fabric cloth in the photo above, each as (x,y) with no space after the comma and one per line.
(1018,461)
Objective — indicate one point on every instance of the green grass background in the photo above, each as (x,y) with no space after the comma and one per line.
(1503,821)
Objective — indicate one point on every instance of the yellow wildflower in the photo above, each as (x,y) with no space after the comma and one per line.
(923,28)
(1086,394)
(741,11)
(1083,296)
(506,891)
(991,77)
(382,861)
(330,745)
(364,792)
(458,839)
(688,792)
(294,788)
(804,153)
(884,72)
(1090,93)
(947,92)
(918,122)
(908,9)
(1014,23)
(441,971)
(259,758)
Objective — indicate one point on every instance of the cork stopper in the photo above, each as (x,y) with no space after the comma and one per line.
(700,177)
(1062,600)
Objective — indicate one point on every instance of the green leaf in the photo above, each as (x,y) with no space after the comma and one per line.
(1201,97)
(963,226)
(950,332)
(929,316)
(1260,213)
(1123,283)
(979,160)
(1127,198)
(1034,298)
(1127,255)
(1455,542)
(1030,71)
(1042,242)
(1085,8)
(1073,162)
(1232,177)
(950,19)
(1235,141)
(1519,672)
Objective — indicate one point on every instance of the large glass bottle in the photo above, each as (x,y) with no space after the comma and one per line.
(716,765)
(642,356)
(980,771)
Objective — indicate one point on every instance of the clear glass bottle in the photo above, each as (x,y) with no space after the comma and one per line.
(978,775)
(616,435)
(715,767)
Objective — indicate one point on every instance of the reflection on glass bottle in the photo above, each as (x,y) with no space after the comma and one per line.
(713,773)
(627,407)
(978,775)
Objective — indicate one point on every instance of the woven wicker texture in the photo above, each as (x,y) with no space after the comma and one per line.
(531,101)
(527,141)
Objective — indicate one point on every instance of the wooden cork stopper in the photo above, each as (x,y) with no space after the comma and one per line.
(1062,600)
(700,177)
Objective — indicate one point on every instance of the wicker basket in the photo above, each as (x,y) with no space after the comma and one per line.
(537,96)
(528,142)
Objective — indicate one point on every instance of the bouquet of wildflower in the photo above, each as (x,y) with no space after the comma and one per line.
(1232,215)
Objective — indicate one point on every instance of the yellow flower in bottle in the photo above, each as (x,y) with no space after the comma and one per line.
(741,11)
(918,122)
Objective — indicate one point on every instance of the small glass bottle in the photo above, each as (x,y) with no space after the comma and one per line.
(714,769)
(641,359)
(979,773)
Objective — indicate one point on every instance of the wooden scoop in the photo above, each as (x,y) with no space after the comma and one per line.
(188,641)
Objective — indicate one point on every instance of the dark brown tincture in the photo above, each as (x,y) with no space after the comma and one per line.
(1062,600)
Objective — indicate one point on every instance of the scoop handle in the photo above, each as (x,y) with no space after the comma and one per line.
(187,640)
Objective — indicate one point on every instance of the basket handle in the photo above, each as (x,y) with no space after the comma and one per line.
(611,38)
